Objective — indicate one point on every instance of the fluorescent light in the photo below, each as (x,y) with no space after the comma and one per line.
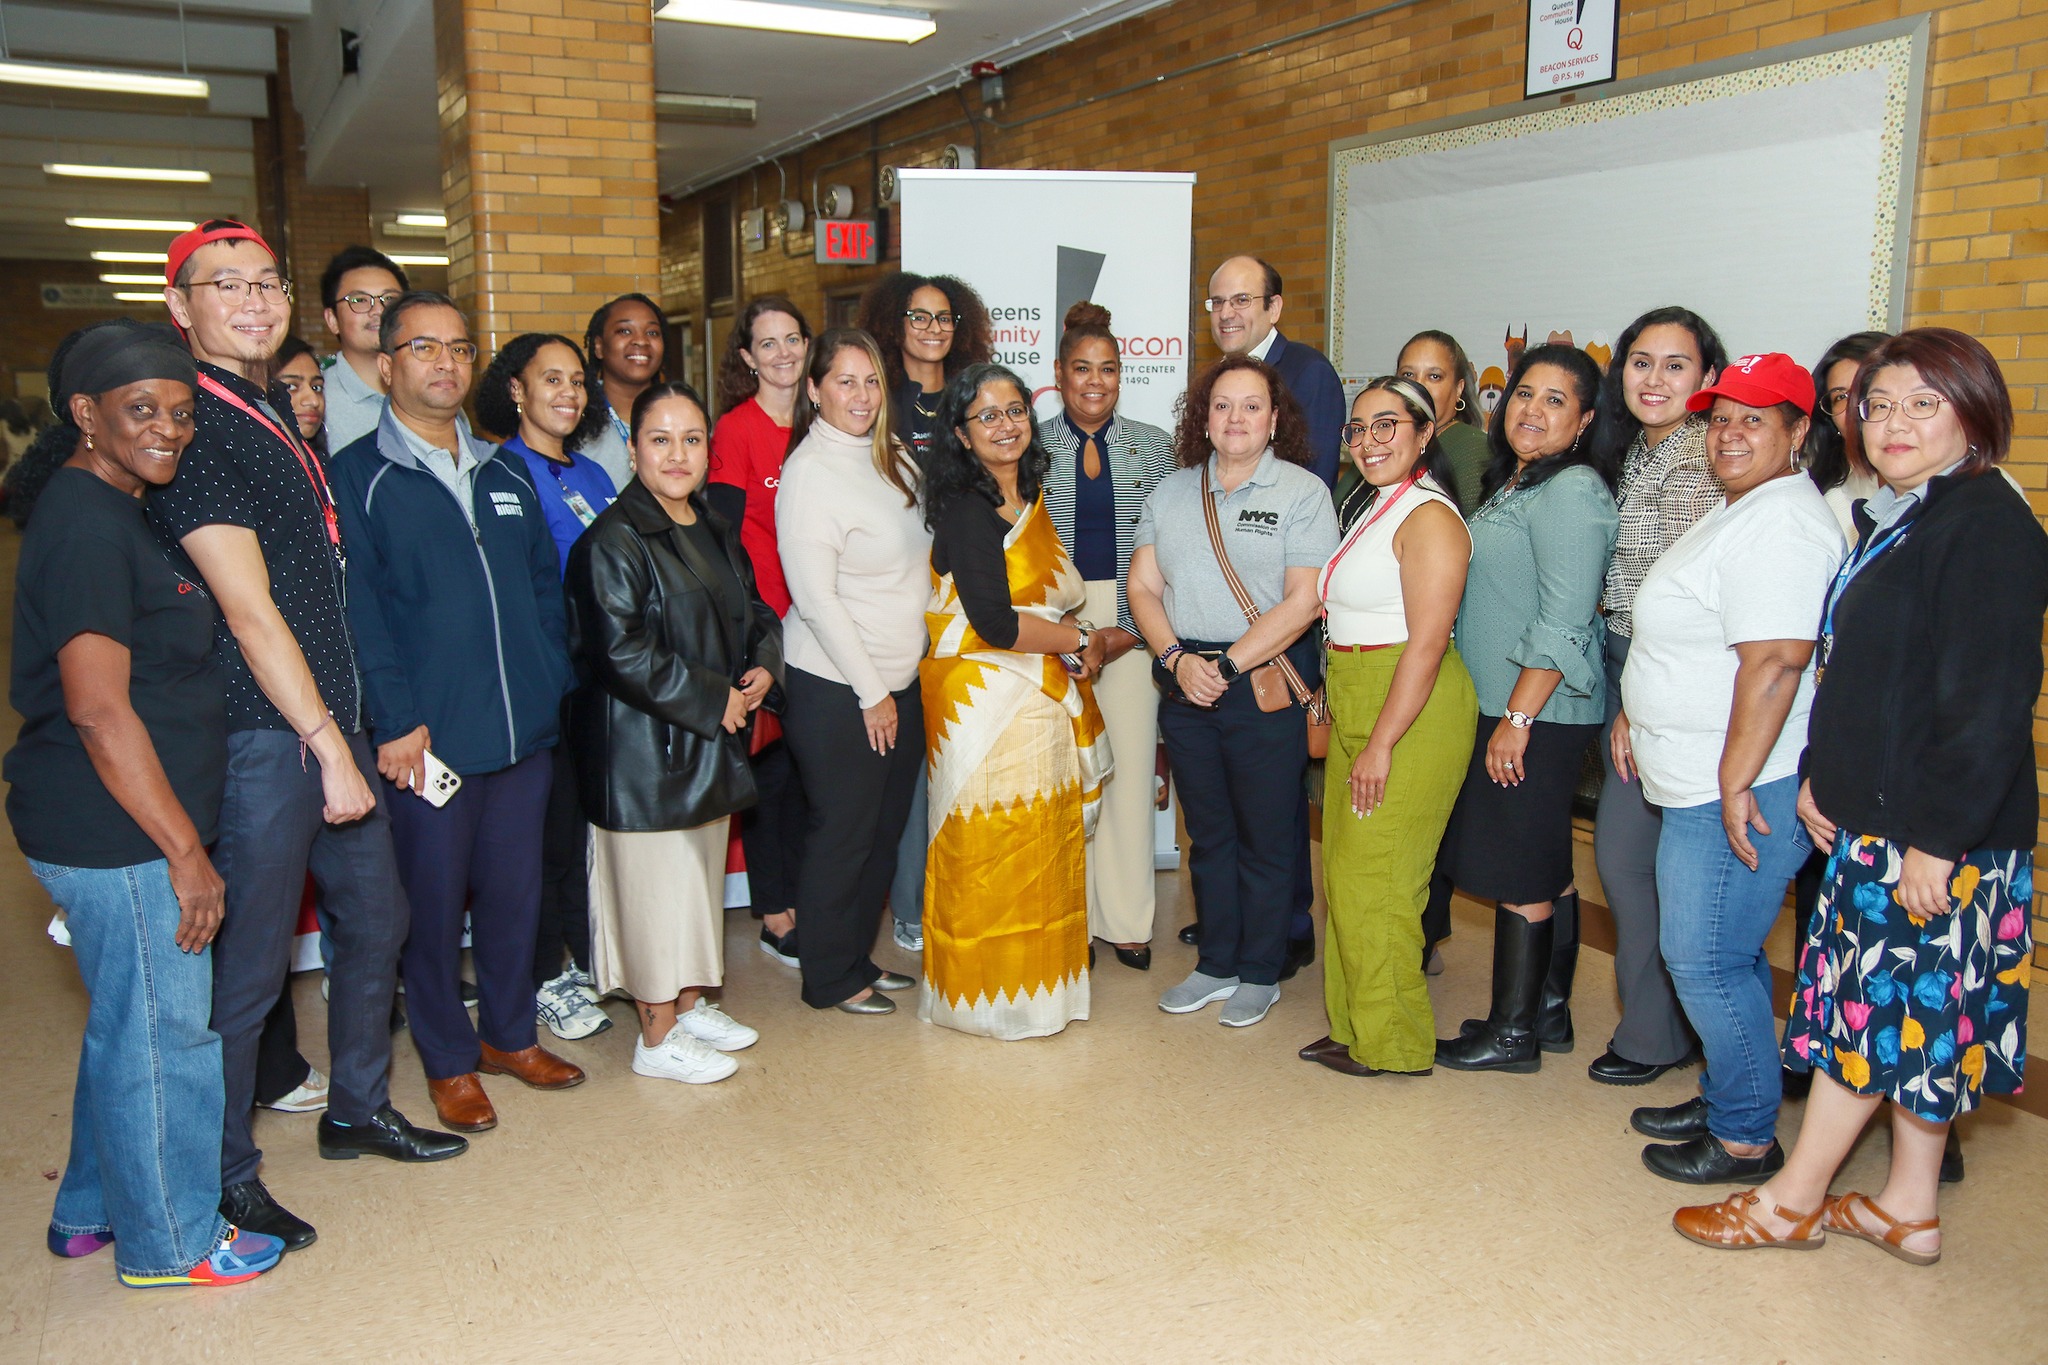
(827,17)
(737,110)
(118,82)
(419,260)
(133,224)
(131,279)
(132,257)
(422,220)
(124,296)
(128,173)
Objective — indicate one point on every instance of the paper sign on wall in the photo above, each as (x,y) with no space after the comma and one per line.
(1571,43)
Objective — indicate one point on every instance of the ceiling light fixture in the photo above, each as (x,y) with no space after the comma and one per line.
(132,257)
(734,110)
(115,82)
(884,23)
(128,173)
(131,279)
(132,224)
(422,220)
(137,296)
(419,260)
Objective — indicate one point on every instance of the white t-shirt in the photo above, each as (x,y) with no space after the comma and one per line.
(1757,570)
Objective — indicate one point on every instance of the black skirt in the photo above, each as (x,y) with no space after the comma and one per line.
(1514,844)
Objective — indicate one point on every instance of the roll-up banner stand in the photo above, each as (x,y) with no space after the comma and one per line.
(1033,243)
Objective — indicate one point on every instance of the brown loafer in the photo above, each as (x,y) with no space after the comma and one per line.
(535,1065)
(1343,1062)
(1728,1226)
(462,1103)
(1320,1046)
(1858,1215)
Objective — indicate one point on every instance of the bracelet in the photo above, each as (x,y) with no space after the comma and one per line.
(1166,656)
(307,738)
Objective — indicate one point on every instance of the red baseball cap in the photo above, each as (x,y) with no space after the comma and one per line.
(212,230)
(1759,381)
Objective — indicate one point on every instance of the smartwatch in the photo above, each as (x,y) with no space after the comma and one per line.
(1227,666)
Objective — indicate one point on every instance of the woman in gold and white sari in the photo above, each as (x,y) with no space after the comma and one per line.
(1016,746)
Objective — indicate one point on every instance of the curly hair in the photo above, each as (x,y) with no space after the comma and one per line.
(737,381)
(1585,377)
(953,470)
(881,317)
(593,372)
(1191,415)
(498,413)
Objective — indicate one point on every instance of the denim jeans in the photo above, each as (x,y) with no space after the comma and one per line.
(145,1118)
(1715,915)
(906,892)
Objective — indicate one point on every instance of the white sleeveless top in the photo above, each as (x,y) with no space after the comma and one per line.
(1361,585)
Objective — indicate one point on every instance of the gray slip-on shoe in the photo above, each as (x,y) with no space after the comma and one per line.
(1248,1004)
(1198,990)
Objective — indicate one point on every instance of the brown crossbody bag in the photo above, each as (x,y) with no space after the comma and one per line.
(1276,684)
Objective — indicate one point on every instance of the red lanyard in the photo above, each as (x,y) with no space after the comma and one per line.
(1330,570)
(315,475)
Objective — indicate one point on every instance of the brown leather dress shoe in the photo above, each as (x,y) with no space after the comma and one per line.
(1341,1061)
(1321,1045)
(462,1103)
(535,1065)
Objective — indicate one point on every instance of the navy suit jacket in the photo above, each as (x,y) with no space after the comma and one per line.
(1312,379)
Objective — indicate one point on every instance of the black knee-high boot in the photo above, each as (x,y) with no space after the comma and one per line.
(1507,1041)
(1554,1015)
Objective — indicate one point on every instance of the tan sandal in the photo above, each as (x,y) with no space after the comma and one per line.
(1728,1226)
(1847,1219)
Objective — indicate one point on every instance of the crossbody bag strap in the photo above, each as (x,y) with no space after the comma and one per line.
(1295,684)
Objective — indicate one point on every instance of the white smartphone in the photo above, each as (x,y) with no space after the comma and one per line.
(438,782)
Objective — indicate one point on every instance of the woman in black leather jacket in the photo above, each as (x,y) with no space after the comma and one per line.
(675,651)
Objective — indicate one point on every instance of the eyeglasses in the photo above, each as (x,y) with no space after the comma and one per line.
(988,417)
(1838,401)
(924,321)
(1236,302)
(1382,429)
(1919,407)
(370,303)
(235,289)
(429,349)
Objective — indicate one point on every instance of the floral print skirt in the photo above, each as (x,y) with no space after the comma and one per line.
(1928,1013)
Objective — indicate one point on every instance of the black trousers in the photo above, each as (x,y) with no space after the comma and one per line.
(280,1068)
(773,831)
(859,800)
(1238,771)
(564,876)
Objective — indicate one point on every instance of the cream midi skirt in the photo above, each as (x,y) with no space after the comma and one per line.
(657,910)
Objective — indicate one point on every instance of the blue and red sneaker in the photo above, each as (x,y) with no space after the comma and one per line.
(71,1246)
(241,1256)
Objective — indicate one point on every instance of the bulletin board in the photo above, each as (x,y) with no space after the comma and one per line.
(1772,195)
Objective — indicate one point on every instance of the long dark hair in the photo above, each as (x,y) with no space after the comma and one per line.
(1616,428)
(1585,376)
(1468,378)
(881,317)
(1191,418)
(737,381)
(1433,461)
(892,461)
(660,391)
(952,469)
(593,370)
(497,413)
(1827,452)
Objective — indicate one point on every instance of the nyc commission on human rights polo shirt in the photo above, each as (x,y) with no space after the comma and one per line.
(238,472)
(1278,519)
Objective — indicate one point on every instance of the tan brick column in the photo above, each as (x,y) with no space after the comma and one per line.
(547,159)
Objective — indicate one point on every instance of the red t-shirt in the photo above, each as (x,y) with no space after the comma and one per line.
(747,447)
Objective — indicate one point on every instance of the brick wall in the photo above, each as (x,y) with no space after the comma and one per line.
(33,331)
(1257,130)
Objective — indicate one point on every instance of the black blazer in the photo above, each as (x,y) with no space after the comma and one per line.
(655,657)
(1922,727)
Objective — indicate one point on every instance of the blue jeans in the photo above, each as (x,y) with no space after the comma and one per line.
(145,1118)
(1715,915)
(906,892)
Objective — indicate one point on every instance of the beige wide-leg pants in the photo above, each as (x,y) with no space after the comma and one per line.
(1120,895)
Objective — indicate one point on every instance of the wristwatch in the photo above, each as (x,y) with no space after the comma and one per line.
(1227,666)
(1521,720)
(1087,634)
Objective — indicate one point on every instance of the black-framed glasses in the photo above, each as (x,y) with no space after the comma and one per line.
(1238,302)
(1918,406)
(1381,429)
(370,303)
(988,417)
(924,320)
(430,348)
(235,289)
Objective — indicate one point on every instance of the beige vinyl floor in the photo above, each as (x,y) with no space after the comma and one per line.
(1142,1188)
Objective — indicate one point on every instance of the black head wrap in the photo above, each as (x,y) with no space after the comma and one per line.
(110,355)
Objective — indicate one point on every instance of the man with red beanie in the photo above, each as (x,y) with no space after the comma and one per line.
(251,508)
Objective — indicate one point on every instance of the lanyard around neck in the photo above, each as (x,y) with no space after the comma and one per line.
(1860,558)
(315,475)
(1330,569)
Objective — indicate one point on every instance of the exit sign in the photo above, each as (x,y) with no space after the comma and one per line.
(849,241)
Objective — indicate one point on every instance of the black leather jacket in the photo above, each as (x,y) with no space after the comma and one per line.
(655,657)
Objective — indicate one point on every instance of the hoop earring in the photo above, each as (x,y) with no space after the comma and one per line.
(1460,405)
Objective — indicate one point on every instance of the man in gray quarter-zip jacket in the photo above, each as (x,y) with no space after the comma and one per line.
(456,606)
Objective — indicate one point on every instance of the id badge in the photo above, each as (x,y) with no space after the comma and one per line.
(580,505)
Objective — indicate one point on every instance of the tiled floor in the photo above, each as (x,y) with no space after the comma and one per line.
(1142,1188)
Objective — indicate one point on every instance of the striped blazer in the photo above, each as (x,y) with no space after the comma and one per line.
(1140,455)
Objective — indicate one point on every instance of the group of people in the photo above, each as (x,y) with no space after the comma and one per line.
(918,646)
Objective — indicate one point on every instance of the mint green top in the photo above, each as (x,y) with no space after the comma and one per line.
(1532,597)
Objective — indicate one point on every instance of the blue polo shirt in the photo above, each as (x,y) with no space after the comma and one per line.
(561,488)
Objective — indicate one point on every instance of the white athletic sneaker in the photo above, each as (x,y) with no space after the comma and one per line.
(909,937)
(709,1024)
(568,1013)
(584,982)
(309,1096)
(679,1057)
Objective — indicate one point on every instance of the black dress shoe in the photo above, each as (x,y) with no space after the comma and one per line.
(468,989)
(1138,959)
(1704,1161)
(1192,935)
(387,1134)
(1675,1123)
(1341,1061)
(1091,954)
(1321,1045)
(1300,952)
(249,1205)
(1951,1158)
(1611,1068)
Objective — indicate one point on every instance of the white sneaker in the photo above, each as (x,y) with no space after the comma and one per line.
(308,1097)
(568,1013)
(679,1057)
(709,1024)
(584,982)
(909,937)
